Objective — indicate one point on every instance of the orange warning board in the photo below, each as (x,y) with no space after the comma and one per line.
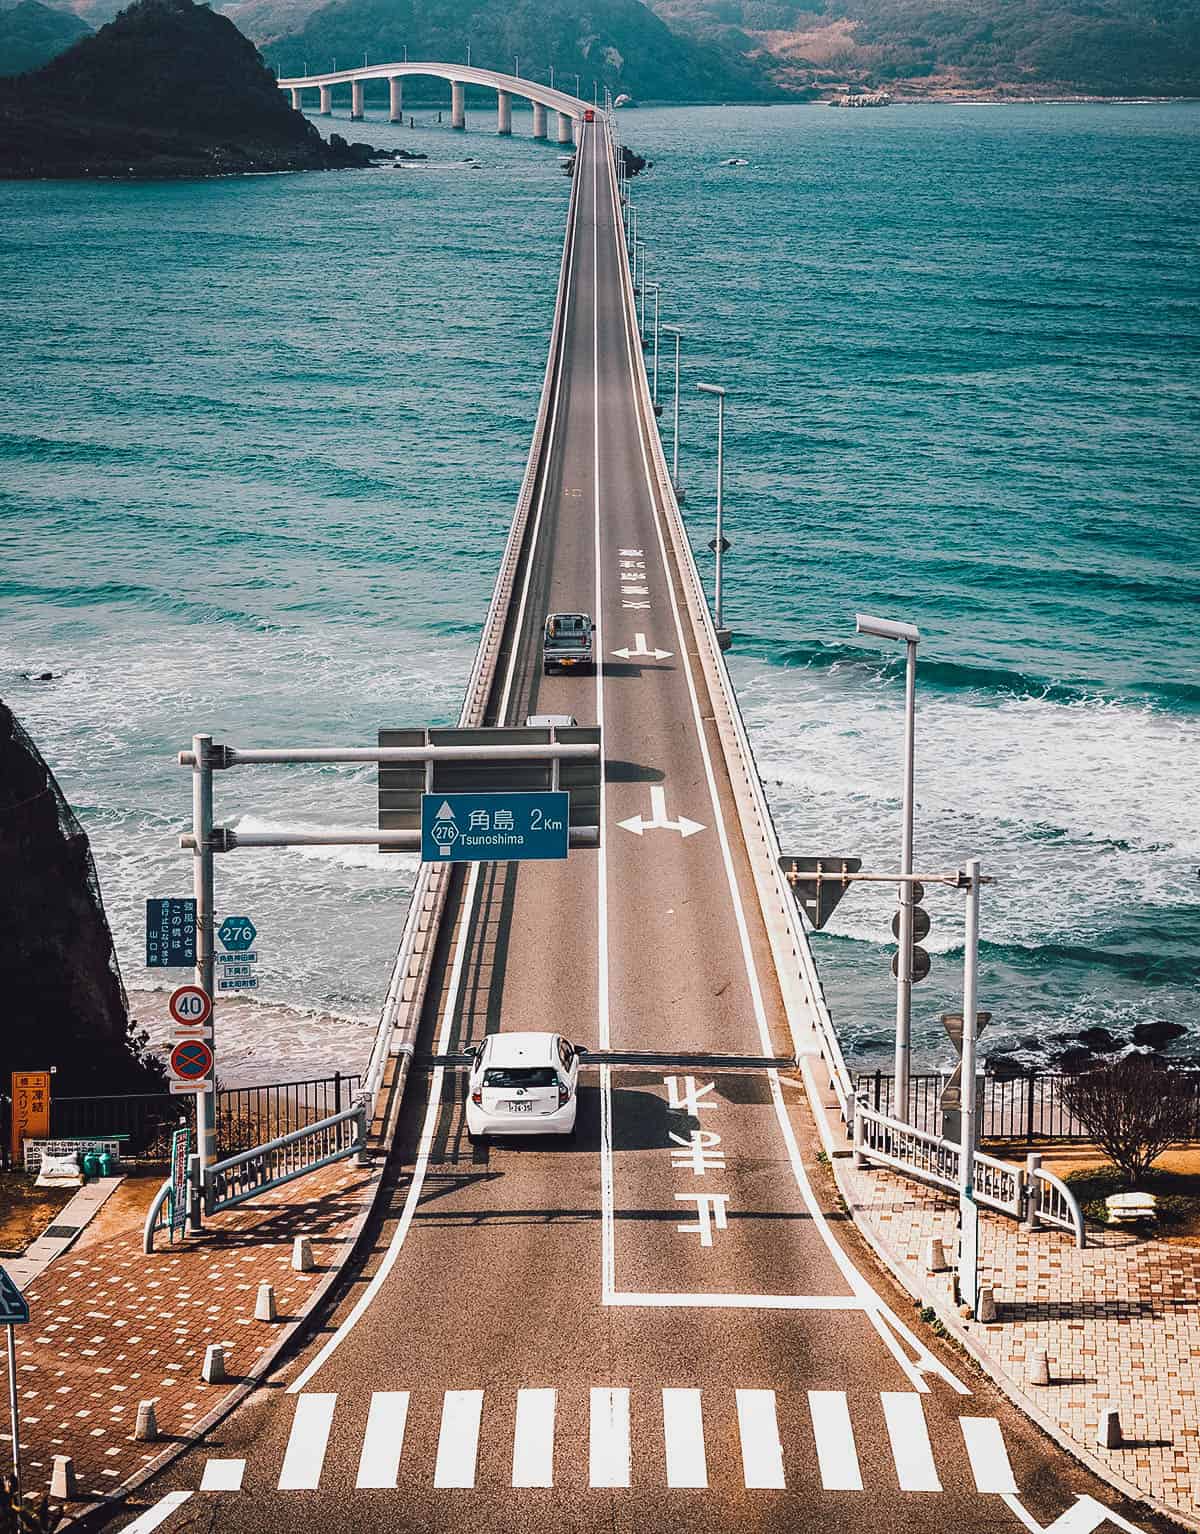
(30,1108)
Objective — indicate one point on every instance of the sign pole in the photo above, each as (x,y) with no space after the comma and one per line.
(202,885)
(968,1264)
(12,1409)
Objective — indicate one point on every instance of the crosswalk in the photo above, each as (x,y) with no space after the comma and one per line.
(683,1435)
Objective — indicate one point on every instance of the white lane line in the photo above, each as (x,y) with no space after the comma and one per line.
(909,1436)
(683,1438)
(223,1475)
(758,1428)
(735,1301)
(533,1440)
(1085,1515)
(157,1514)
(305,1454)
(855,1280)
(458,1441)
(400,1234)
(608,1438)
(834,1435)
(988,1455)
(383,1441)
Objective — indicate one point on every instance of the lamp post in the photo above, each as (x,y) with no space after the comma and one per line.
(517,65)
(642,292)
(577,83)
(552,77)
(654,392)
(887,628)
(724,637)
(968,1261)
(674,330)
(468,55)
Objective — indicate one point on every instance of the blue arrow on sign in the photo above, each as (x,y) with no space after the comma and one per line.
(14,1307)
(237,933)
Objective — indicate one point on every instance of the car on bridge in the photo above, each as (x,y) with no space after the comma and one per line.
(567,642)
(522,1084)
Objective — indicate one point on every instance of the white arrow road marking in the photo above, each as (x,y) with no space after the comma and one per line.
(658,818)
(1086,1515)
(639,650)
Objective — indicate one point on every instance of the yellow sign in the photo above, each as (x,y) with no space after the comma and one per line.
(30,1108)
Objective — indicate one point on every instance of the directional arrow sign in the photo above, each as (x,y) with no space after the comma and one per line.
(725,545)
(640,650)
(658,818)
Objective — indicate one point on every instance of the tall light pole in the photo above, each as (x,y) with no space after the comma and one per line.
(517,65)
(633,235)
(576,82)
(724,637)
(673,330)
(968,1262)
(654,393)
(909,634)
(468,55)
(642,321)
(552,77)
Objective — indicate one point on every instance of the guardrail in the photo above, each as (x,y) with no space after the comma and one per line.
(800,985)
(281,1160)
(1028,1192)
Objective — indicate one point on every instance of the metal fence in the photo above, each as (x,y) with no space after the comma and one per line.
(245,1116)
(1029,1107)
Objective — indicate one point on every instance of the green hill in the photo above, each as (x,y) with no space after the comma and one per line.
(31,34)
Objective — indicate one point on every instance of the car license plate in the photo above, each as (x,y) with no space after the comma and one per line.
(523,1107)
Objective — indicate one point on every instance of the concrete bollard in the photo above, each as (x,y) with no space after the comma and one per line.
(302,1255)
(1039,1374)
(264,1304)
(935,1255)
(146,1430)
(63,1485)
(985,1309)
(213,1372)
(1108,1433)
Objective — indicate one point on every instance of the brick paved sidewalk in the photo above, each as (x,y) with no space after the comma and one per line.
(1120,1322)
(110,1327)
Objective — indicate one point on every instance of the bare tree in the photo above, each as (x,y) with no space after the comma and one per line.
(1134,1109)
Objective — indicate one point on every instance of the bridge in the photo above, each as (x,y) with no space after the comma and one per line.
(666,1323)
(569,110)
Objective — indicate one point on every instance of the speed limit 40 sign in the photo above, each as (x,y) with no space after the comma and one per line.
(191,1006)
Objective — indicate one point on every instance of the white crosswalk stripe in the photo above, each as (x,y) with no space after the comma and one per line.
(693,1423)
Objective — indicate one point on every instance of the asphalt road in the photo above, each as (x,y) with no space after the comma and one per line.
(666,1324)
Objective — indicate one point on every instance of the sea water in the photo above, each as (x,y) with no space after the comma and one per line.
(260,440)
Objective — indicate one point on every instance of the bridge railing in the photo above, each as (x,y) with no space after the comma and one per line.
(804,1000)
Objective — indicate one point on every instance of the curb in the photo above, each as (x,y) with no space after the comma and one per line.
(919,1290)
(267,1362)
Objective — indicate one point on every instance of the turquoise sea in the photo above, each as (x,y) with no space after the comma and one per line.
(260,440)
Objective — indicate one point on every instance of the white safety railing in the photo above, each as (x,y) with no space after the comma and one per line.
(803,995)
(1051,1202)
(251,1172)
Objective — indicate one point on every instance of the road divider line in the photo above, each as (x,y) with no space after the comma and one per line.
(683,1438)
(305,1454)
(912,1453)
(383,1441)
(533,1438)
(458,1440)
(758,1429)
(719,1301)
(989,1458)
(608,1438)
(223,1475)
(158,1514)
(833,1433)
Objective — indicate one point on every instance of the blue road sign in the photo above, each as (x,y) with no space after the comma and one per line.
(170,933)
(237,933)
(14,1307)
(493,828)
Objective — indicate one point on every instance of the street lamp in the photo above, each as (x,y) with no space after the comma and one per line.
(718,545)
(517,65)
(642,292)
(552,77)
(576,83)
(468,55)
(674,330)
(654,394)
(908,633)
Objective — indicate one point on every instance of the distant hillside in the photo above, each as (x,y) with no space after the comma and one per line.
(31,34)
(167,89)
(940,47)
(619,43)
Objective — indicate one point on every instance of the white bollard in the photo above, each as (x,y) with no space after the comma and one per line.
(146,1430)
(264,1304)
(63,1485)
(1039,1374)
(935,1255)
(302,1255)
(1108,1433)
(213,1372)
(985,1309)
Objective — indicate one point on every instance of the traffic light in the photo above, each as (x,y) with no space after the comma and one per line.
(920,931)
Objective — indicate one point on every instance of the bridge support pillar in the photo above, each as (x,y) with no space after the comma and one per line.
(458,105)
(503,112)
(356,101)
(296,98)
(564,128)
(395,99)
(539,120)
(327,101)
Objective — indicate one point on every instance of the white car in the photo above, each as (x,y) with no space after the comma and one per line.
(523,1084)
